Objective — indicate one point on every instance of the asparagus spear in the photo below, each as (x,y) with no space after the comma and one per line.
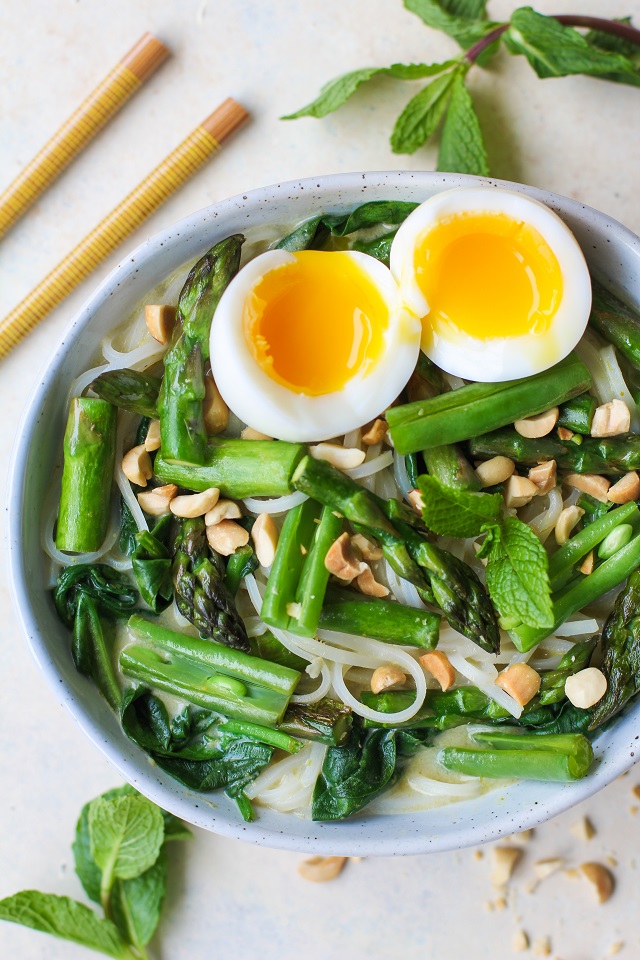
(239,468)
(534,756)
(89,454)
(609,455)
(239,565)
(184,437)
(286,569)
(449,465)
(553,681)
(562,563)
(348,612)
(267,647)
(621,653)
(314,578)
(577,414)
(481,407)
(327,721)
(130,390)
(617,322)
(200,590)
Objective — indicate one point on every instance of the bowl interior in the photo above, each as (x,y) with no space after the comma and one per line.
(613,253)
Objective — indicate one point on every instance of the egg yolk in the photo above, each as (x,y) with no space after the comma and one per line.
(315,322)
(487,275)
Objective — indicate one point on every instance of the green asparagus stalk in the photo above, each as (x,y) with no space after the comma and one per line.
(577,414)
(480,407)
(89,455)
(449,465)
(280,738)
(267,647)
(200,590)
(184,437)
(585,591)
(535,756)
(609,455)
(314,578)
(562,563)
(286,570)
(239,468)
(327,721)
(617,322)
(130,390)
(553,681)
(348,612)
(621,653)
(239,565)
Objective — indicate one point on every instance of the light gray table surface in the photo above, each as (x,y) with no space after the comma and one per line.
(577,137)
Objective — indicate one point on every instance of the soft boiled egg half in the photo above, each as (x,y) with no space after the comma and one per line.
(310,345)
(498,281)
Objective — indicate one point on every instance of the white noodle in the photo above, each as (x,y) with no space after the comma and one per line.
(545,522)
(369,467)
(81,383)
(352,440)
(255,627)
(484,681)
(288,784)
(67,559)
(577,628)
(320,691)
(440,788)
(400,473)
(123,484)
(402,590)
(277,505)
(608,382)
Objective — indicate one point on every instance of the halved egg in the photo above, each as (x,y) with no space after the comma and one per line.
(498,281)
(307,346)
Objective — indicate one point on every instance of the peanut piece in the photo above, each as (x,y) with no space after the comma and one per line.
(518,491)
(160,319)
(625,489)
(344,458)
(438,665)
(195,504)
(591,483)
(496,470)
(583,829)
(567,520)
(585,687)
(588,563)
(386,677)
(415,499)
(214,410)
(265,539)
(564,433)
(374,432)
(156,502)
(368,584)
(225,537)
(544,476)
(223,510)
(539,426)
(368,550)
(136,465)
(520,681)
(600,879)
(250,434)
(341,559)
(505,860)
(610,419)
(152,439)
(321,869)
(545,868)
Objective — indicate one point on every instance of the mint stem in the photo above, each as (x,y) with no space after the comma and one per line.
(615,27)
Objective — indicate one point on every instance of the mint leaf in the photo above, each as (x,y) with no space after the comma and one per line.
(456,513)
(611,42)
(518,574)
(88,871)
(136,904)
(554,50)
(464,20)
(336,92)
(64,918)
(126,834)
(421,116)
(461,144)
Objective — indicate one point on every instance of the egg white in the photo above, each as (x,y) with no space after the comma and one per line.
(497,358)
(284,413)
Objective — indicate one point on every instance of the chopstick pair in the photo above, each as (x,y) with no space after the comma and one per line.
(150,194)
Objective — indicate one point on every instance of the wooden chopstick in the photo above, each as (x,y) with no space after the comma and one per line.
(100,106)
(157,187)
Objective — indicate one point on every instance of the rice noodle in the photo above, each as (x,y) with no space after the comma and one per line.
(403,590)
(147,352)
(277,505)
(318,692)
(288,785)
(123,484)
(81,383)
(608,381)
(369,467)
(577,628)
(442,788)
(484,681)
(255,626)
(400,473)
(545,522)
(352,440)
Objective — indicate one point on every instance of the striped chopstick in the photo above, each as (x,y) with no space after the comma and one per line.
(100,106)
(157,187)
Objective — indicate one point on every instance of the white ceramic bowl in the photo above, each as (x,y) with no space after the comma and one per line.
(612,251)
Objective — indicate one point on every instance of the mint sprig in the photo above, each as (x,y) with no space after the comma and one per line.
(456,513)
(517,574)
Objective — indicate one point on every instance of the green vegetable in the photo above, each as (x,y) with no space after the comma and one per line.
(89,454)
(296,535)
(615,541)
(480,407)
(455,512)
(617,323)
(268,648)
(620,653)
(327,721)
(239,565)
(349,612)
(312,585)
(563,562)
(239,468)
(593,509)
(151,563)
(449,465)
(92,653)
(130,390)
(111,591)
(313,234)
(528,756)
(422,115)
(553,681)
(608,455)
(461,145)
(464,20)
(577,414)
(184,438)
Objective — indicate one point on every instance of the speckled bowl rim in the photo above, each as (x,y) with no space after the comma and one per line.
(493,815)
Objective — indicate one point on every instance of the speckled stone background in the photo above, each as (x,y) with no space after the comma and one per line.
(578,137)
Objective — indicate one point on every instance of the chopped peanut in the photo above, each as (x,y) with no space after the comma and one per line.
(610,419)
(625,489)
(156,502)
(545,868)
(564,433)
(386,677)
(136,465)
(600,878)
(214,410)
(415,499)
(520,941)
(583,829)
(321,869)
(160,319)
(588,563)
(542,947)
(518,491)
(520,681)
(544,476)
(250,434)
(225,537)
(368,584)
(438,665)
(265,539)
(368,549)
(494,471)
(152,439)
(195,504)
(374,432)
(540,426)
(567,520)
(223,510)
(585,687)
(505,860)
(591,483)
(341,559)
(344,458)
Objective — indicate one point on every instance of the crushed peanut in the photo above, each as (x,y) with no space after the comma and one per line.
(494,471)
(341,559)
(195,504)
(564,433)
(374,432)
(136,465)
(264,534)
(568,519)
(370,551)
(439,666)
(625,489)
(225,537)
(535,427)
(586,687)
(518,491)
(152,439)
(215,412)
(591,483)
(368,584)
(545,868)
(321,869)
(415,499)
(156,502)
(386,678)
(588,563)
(344,458)
(250,434)
(520,941)
(583,829)
(223,510)
(611,419)
(544,475)
(160,319)
(520,681)
(542,947)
